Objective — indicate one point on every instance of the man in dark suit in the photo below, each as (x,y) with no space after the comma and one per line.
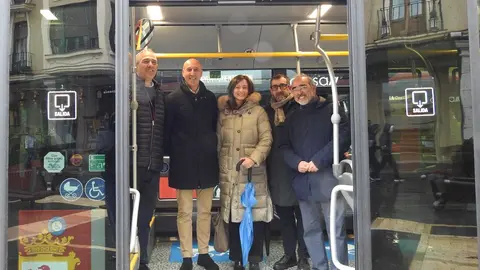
(308,151)
(191,141)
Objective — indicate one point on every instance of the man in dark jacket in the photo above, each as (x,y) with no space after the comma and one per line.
(279,178)
(191,140)
(150,151)
(308,151)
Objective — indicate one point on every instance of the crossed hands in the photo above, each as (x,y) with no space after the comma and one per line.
(304,167)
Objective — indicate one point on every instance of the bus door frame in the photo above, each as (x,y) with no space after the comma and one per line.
(4,125)
(122,157)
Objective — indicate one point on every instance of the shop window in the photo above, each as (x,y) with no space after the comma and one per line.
(76,28)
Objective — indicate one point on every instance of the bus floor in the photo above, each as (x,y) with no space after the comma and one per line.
(396,244)
(166,255)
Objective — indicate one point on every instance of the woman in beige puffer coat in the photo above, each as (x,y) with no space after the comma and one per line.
(244,133)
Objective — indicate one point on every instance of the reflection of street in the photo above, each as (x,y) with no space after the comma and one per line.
(438,246)
(409,234)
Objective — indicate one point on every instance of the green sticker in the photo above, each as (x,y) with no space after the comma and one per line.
(96,163)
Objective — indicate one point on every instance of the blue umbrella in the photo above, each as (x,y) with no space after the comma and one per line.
(246,226)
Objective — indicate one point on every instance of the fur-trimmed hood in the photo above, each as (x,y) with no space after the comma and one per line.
(252,100)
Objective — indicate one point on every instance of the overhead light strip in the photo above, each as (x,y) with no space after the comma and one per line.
(154,13)
(47,14)
(323,10)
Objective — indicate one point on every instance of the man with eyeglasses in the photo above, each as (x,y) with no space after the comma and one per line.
(280,181)
(308,151)
(191,143)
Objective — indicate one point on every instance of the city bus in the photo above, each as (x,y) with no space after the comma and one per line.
(405,67)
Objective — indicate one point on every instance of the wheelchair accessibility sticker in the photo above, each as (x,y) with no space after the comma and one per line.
(71,189)
(95,189)
(57,226)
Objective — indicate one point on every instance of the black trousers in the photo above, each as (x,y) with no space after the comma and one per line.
(256,251)
(374,164)
(292,230)
(147,185)
(388,158)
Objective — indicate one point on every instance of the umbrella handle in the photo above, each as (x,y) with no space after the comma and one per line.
(239,163)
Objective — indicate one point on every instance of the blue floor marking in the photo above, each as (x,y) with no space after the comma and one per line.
(176,253)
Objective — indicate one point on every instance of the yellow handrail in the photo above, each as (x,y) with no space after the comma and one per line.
(332,37)
(248,55)
(282,54)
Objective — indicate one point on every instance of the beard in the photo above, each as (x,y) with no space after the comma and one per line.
(302,99)
(302,102)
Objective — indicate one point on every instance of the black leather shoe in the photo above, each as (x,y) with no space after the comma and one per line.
(143,267)
(238,266)
(285,262)
(303,264)
(205,261)
(254,266)
(187,264)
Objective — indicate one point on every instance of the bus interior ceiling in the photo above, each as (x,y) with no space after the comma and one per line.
(243,29)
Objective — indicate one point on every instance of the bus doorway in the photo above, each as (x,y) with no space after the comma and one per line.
(258,48)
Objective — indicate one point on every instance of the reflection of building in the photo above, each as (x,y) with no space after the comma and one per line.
(59,45)
(420,43)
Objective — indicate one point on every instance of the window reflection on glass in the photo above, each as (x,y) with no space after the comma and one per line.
(398,9)
(421,161)
(44,153)
(75,29)
(416,8)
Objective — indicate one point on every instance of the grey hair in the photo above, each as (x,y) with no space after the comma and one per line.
(139,55)
(303,75)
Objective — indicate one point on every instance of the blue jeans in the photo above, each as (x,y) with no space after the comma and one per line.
(313,231)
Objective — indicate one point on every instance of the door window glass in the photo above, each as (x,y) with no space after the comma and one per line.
(422,182)
(61,114)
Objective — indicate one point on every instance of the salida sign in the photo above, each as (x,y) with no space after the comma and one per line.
(62,105)
(419,102)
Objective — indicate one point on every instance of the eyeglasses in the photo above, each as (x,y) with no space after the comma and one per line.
(300,87)
(282,86)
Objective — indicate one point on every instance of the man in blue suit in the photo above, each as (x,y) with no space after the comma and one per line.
(308,150)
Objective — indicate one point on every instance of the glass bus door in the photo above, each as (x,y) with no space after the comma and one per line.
(414,133)
(59,114)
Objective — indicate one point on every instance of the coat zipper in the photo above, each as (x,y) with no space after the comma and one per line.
(151,145)
(151,133)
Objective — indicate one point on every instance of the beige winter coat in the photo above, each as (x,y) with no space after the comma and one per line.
(245,132)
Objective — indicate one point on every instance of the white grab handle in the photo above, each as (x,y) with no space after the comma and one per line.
(333,240)
(133,230)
